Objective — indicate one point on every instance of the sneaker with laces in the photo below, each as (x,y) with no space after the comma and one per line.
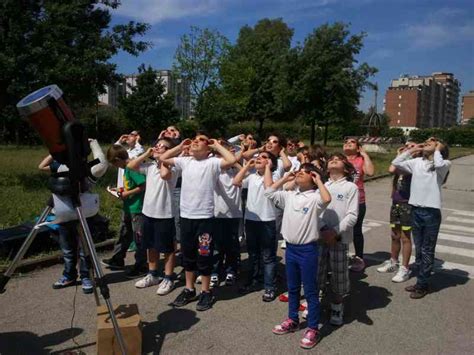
(87,285)
(199,279)
(388,266)
(147,281)
(206,300)
(402,275)
(186,296)
(283,244)
(166,286)
(63,282)
(268,296)
(310,339)
(358,264)
(230,279)
(285,327)
(214,281)
(337,314)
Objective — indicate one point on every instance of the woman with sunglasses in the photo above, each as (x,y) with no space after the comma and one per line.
(363,165)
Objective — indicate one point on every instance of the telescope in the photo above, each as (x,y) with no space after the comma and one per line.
(66,139)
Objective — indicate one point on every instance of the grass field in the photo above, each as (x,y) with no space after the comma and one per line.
(23,188)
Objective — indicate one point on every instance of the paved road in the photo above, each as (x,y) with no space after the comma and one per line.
(380,317)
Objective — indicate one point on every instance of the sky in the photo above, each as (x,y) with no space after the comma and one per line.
(415,37)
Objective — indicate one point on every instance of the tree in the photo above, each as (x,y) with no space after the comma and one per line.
(253,73)
(213,112)
(198,58)
(147,107)
(329,87)
(67,43)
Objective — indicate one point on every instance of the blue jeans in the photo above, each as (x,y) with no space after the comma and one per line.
(70,246)
(425,228)
(262,243)
(302,267)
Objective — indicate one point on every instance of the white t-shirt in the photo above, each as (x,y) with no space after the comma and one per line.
(259,207)
(158,199)
(227,196)
(198,185)
(300,216)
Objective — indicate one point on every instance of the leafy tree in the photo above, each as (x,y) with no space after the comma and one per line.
(212,111)
(329,86)
(253,74)
(147,107)
(198,58)
(65,42)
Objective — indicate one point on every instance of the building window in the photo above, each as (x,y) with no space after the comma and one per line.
(398,113)
(399,105)
(399,97)
(398,121)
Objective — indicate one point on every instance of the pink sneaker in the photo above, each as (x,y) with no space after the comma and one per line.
(358,264)
(287,326)
(310,339)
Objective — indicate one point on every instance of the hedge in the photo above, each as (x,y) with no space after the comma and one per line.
(463,136)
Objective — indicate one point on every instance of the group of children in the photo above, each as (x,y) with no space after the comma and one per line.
(315,202)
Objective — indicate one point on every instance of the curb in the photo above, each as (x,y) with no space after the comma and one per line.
(56,258)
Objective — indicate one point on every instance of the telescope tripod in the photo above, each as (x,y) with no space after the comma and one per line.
(88,247)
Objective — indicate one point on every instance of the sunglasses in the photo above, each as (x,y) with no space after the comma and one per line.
(264,156)
(202,139)
(274,141)
(161,145)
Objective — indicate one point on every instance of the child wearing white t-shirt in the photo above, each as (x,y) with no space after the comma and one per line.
(260,225)
(158,224)
(200,173)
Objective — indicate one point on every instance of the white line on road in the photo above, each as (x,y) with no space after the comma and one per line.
(440,266)
(460,220)
(456,238)
(455,251)
(460,212)
(457,228)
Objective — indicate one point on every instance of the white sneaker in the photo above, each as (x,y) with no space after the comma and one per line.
(199,280)
(337,314)
(402,275)
(214,281)
(388,266)
(166,286)
(283,244)
(147,281)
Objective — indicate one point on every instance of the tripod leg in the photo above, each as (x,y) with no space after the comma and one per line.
(87,256)
(23,249)
(104,290)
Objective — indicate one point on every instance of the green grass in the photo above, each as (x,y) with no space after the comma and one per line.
(24,192)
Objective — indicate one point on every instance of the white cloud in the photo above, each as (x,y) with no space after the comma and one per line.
(436,35)
(155,11)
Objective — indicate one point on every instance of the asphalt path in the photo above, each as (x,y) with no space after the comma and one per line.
(380,318)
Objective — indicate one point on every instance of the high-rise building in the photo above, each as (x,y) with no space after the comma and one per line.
(422,101)
(467,107)
(176,86)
